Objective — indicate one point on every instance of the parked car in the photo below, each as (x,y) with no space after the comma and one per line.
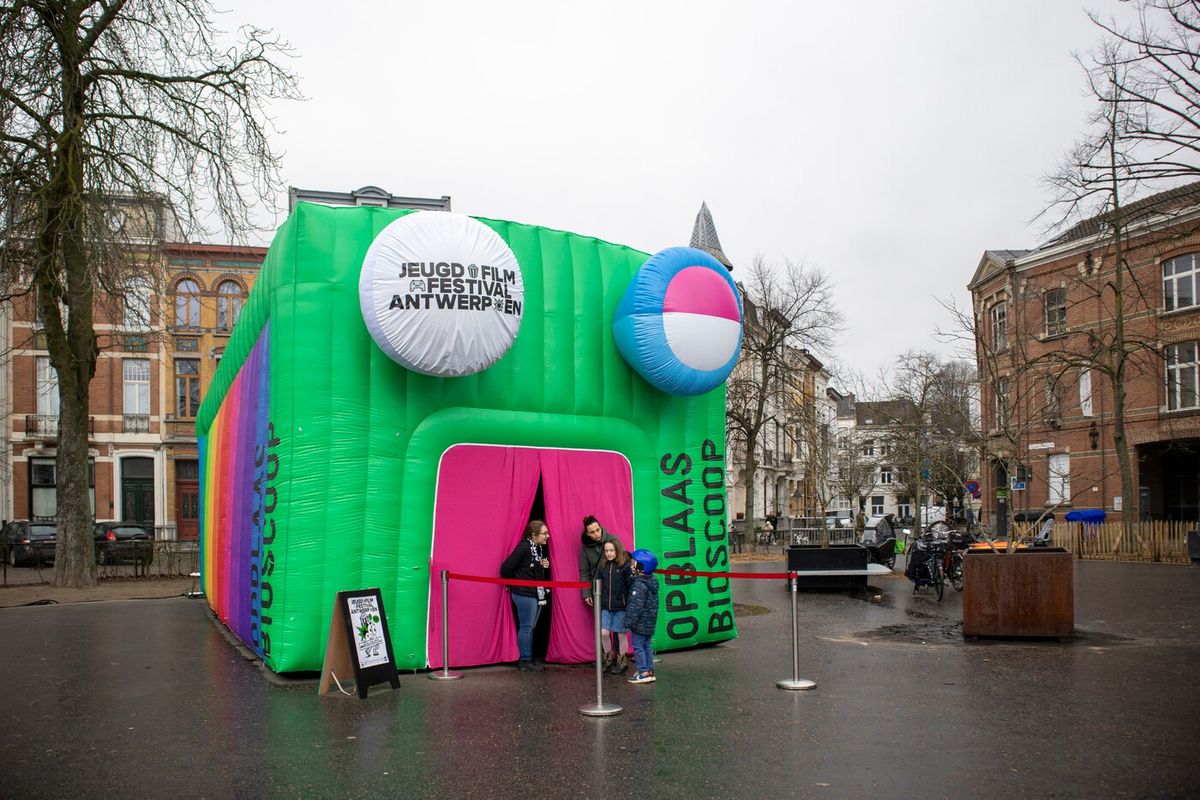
(118,542)
(28,542)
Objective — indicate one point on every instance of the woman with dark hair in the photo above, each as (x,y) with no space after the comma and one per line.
(591,552)
(529,561)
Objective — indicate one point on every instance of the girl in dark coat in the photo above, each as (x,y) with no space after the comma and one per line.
(615,573)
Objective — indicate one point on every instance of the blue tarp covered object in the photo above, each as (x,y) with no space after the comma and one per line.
(1090,516)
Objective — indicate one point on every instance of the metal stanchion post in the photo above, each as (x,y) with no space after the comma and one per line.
(795,682)
(445,674)
(599,708)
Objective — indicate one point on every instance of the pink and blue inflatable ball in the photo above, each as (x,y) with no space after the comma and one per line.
(679,324)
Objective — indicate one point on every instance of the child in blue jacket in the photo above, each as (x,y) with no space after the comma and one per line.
(641,613)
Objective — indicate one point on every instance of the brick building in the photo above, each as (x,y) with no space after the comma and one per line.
(158,349)
(1043,315)
(207,285)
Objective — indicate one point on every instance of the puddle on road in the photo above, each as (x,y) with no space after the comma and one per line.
(929,628)
(934,629)
(749,610)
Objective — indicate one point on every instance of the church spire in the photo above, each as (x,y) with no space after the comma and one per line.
(704,237)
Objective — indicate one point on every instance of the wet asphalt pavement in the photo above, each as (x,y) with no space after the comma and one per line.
(149,699)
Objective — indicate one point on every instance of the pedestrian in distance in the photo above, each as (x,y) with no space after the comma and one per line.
(641,614)
(529,561)
(615,573)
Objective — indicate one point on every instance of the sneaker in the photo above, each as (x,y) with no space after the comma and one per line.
(529,666)
(641,677)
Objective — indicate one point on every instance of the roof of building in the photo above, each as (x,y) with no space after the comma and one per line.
(1007,255)
(704,237)
(883,412)
(1163,202)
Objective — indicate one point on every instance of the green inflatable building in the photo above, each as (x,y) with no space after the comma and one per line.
(404,391)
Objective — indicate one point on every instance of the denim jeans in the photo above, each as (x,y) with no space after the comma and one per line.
(642,651)
(527,617)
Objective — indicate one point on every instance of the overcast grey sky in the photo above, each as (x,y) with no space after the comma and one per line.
(886,143)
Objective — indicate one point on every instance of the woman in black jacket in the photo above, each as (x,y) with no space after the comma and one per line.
(529,561)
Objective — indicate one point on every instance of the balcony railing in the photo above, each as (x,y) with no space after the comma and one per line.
(48,425)
(181,429)
(136,423)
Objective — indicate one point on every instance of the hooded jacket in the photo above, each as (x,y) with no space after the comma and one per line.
(590,555)
(614,584)
(641,614)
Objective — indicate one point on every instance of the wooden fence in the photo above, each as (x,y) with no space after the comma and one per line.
(1143,541)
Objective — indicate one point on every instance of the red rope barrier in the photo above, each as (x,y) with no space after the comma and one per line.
(514,582)
(751,575)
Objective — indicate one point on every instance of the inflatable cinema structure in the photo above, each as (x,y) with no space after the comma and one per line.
(373,422)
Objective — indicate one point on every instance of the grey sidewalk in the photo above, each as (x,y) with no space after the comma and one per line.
(148,699)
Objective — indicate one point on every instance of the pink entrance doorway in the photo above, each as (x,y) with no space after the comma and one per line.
(484,497)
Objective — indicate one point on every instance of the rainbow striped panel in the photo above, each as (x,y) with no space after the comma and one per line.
(233,459)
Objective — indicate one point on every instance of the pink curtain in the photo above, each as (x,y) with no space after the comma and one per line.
(576,483)
(484,497)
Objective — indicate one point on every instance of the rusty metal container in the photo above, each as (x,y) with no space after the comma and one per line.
(1025,593)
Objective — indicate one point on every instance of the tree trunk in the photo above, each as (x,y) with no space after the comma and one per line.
(1129,510)
(74,557)
(71,341)
(748,509)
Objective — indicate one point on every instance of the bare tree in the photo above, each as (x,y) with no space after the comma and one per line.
(786,309)
(1146,76)
(930,426)
(105,103)
(1142,133)
(855,465)
(1014,402)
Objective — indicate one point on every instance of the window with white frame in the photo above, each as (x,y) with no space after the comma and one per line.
(1000,403)
(1181,281)
(904,506)
(868,447)
(885,476)
(843,503)
(1056,311)
(136,313)
(1060,478)
(136,374)
(1183,372)
(876,505)
(1085,392)
(43,487)
(999,314)
(47,397)
(1052,408)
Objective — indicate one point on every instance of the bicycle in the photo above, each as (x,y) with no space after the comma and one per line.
(954,559)
(930,571)
(937,572)
(955,570)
